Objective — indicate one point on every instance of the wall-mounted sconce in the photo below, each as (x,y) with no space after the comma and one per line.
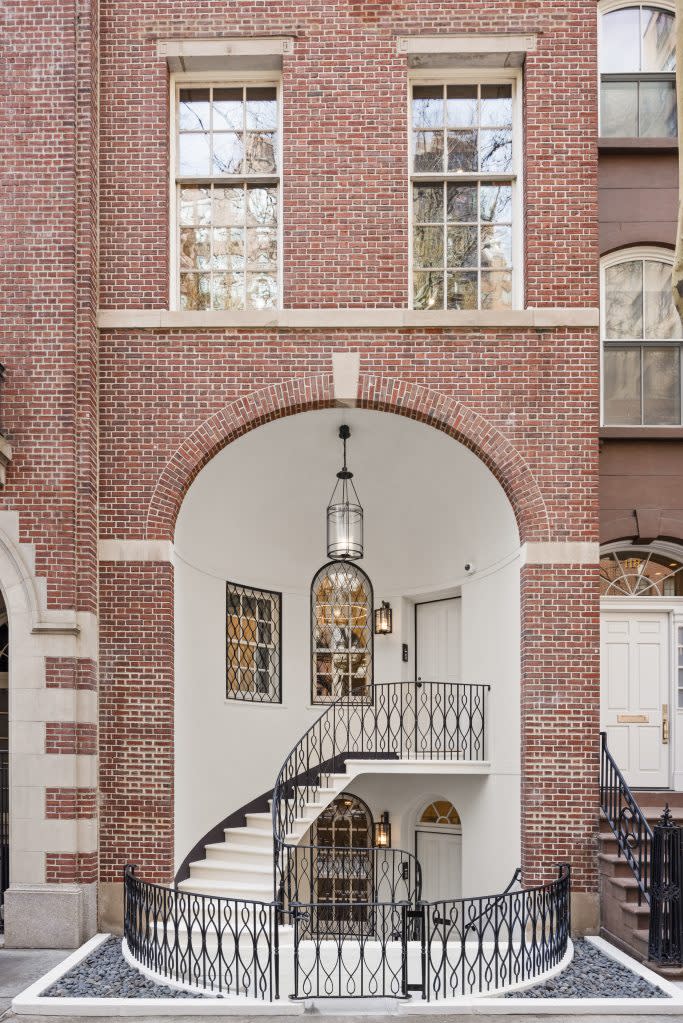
(381,832)
(384,620)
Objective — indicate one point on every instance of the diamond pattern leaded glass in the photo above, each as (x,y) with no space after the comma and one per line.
(254,646)
(341,624)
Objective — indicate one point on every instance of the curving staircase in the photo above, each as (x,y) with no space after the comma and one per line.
(401,726)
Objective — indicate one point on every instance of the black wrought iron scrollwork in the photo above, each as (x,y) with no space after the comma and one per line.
(665,942)
(627,821)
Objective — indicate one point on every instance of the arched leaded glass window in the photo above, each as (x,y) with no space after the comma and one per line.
(637,70)
(341,632)
(640,572)
(641,337)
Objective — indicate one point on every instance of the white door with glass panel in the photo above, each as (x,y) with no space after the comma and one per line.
(437,640)
(635,694)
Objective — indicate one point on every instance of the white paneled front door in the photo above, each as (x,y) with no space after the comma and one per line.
(439,852)
(437,640)
(635,694)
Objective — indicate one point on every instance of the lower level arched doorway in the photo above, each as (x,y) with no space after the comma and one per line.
(438,846)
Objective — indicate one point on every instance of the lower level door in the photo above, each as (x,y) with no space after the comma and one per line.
(635,694)
(440,856)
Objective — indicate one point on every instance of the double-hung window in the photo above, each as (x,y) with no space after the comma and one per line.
(227,201)
(464,162)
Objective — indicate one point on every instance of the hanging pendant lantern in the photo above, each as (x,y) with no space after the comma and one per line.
(344,515)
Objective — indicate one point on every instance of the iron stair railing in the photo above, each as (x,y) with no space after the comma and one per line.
(396,721)
(627,821)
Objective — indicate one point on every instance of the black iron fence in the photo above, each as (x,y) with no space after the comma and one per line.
(4,832)
(626,819)
(327,875)
(399,720)
(665,945)
(482,944)
(227,946)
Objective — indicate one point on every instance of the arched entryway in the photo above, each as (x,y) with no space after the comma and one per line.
(641,589)
(438,847)
(341,878)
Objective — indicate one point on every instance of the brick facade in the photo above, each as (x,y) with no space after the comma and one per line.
(109,428)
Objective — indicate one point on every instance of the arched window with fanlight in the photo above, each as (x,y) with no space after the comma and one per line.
(637,47)
(640,572)
(641,338)
(341,632)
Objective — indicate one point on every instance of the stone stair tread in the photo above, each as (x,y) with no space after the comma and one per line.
(633,909)
(242,850)
(220,866)
(249,832)
(246,891)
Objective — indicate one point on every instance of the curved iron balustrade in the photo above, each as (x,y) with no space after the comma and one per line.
(397,721)
(627,821)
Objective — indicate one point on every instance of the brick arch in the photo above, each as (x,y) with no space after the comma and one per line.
(375,392)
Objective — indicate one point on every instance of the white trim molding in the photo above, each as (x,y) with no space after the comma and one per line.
(135,550)
(545,318)
(467,49)
(239,53)
(574,552)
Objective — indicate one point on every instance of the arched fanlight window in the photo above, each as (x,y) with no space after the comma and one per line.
(641,337)
(440,813)
(640,572)
(341,632)
(637,70)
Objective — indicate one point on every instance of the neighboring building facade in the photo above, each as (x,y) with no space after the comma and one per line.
(232,229)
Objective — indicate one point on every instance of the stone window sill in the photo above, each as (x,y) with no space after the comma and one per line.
(641,433)
(638,145)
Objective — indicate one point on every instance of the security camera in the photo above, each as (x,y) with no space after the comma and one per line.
(469,567)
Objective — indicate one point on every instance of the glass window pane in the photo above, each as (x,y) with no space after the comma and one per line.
(496,246)
(428,246)
(228,112)
(261,247)
(462,244)
(622,386)
(619,109)
(462,150)
(227,153)
(661,386)
(194,155)
(227,292)
(228,249)
(495,203)
(427,203)
(462,290)
(195,291)
(496,289)
(193,110)
(496,151)
(228,206)
(620,41)
(195,206)
(624,300)
(659,40)
(427,151)
(260,154)
(261,109)
(461,203)
(195,248)
(262,290)
(428,290)
(461,106)
(657,109)
(262,206)
(496,106)
(427,106)
(659,313)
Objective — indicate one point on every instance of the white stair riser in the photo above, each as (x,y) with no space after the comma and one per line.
(237,836)
(242,856)
(231,873)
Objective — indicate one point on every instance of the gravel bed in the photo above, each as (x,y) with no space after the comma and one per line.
(106,974)
(592,974)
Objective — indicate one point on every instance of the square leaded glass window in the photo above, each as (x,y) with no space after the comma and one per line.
(463,187)
(253,644)
(228,185)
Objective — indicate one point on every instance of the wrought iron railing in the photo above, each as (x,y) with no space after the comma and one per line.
(364,875)
(476,945)
(399,720)
(627,821)
(228,946)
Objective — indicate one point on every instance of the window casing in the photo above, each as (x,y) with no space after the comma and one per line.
(341,633)
(465,188)
(253,644)
(226,162)
(637,70)
(641,338)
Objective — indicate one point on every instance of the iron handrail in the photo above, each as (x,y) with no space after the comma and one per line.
(627,821)
(396,720)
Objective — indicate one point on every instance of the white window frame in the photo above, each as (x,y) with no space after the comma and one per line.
(607,7)
(654,252)
(476,76)
(184,80)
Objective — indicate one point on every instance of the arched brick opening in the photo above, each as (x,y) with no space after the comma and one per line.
(375,392)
